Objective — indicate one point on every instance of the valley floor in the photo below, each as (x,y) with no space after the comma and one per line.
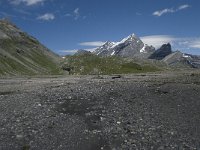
(141,111)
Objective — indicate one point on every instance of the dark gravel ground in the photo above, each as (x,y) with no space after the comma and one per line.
(143,111)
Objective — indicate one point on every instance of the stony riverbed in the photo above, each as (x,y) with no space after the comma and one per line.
(141,111)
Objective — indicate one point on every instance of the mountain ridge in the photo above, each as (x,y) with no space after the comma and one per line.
(133,47)
(127,47)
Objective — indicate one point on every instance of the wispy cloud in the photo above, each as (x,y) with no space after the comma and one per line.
(92,44)
(68,51)
(170,10)
(75,14)
(164,11)
(195,43)
(26,2)
(183,7)
(46,17)
(157,40)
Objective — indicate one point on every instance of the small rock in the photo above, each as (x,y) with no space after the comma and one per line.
(102,118)
(19,136)
(118,122)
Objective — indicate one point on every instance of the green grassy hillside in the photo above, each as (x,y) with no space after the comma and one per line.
(92,64)
(21,54)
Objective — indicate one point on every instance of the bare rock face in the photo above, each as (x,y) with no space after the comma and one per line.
(82,52)
(162,52)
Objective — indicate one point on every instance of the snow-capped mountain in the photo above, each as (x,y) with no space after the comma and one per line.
(133,47)
(104,48)
(130,46)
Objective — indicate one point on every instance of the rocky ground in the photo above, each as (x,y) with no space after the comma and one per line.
(142,111)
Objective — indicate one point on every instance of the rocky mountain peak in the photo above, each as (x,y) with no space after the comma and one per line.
(166,47)
(82,52)
(130,38)
(162,52)
(108,44)
(131,46)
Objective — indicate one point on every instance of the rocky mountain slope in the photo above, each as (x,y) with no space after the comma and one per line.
(133,47)
(178,59)
(82,52)
(162,52)
(21,54)
(130,46)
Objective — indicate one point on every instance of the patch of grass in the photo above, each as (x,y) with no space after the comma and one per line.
(6,92)
(26,147)
(10,66)
(92,64)
(44,62)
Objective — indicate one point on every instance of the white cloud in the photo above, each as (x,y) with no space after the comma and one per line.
(68,51)
(157,40)
(170,10)
(195,43)
(183,7)
(93,44)
(27,2)
(164,11)
(46,17)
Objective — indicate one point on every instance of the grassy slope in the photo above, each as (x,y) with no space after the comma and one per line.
(30,58)
(91,64)
(21,54)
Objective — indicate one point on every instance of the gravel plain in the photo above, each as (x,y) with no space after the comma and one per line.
(158,111)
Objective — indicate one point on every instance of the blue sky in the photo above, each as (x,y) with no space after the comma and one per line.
(67,25)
